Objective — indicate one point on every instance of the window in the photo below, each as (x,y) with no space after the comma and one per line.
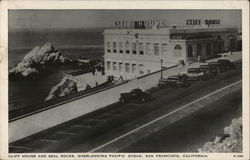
(141,69)
(177,51)
(133,68)
(120,66)
(108,46)
(141,48)
(134,48)
(127,67)
(148,48)
(121,47)
(127,47)
(114,66)
(164,48)
(108,65)
(156,49)
(114,47)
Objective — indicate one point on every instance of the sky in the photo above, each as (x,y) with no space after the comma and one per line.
(75,19)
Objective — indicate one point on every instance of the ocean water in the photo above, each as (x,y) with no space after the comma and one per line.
(74,44)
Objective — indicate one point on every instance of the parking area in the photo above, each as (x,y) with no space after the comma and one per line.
(233,57)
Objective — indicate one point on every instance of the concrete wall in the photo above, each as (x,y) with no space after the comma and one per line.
(66,111)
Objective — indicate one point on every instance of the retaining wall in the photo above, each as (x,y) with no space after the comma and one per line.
(65,111)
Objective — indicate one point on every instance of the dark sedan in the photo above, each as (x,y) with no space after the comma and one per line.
(136,95)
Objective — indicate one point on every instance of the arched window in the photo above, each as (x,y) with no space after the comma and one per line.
(177,47)
(190,51)
(177,51)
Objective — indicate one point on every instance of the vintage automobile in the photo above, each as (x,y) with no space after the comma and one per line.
(204,68)
(216,67)
(208,73)
(195,74)
(226,64)
(175,80)
(135,95)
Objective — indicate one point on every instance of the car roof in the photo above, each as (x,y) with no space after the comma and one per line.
(212,62)
(171,77)
(174,76)
(223,59)
(193,68)
(204,65)
(136,89)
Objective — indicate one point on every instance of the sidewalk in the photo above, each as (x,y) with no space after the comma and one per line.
(235,56)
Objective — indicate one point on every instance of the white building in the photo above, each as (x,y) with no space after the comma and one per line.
(132,53)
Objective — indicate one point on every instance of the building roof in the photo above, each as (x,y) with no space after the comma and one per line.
(170,30)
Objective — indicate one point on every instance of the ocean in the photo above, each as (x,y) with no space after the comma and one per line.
(72,43)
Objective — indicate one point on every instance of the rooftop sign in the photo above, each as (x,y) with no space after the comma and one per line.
(200,22)
(138,24)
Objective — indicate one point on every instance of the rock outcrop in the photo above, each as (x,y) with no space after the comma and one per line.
(71,84)
(38,61)
(65,87)
(231,141)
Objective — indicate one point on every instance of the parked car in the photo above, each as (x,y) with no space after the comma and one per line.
(208,73)
(195,74)
(204,68)
(175,80)
(216,67)
(227,64)
(135,95)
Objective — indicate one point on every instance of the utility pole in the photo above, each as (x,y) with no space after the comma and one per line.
(161,68)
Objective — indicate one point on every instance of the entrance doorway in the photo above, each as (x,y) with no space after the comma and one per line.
(208,49)
(190,51)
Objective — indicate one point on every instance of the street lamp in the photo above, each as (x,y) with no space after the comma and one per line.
(161,68)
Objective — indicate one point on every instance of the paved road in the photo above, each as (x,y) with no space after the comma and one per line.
(156,121)
(192,132)
(72,135)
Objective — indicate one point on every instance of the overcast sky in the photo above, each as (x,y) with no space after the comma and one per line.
(66,19)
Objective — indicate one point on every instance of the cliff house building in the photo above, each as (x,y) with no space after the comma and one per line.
(133,52)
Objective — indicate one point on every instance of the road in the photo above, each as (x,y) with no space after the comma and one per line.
(192,132)
(86,132)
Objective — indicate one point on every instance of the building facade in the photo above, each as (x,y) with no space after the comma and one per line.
(132,53)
